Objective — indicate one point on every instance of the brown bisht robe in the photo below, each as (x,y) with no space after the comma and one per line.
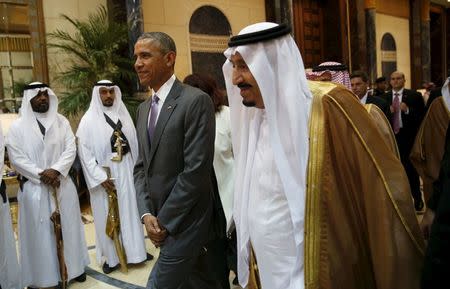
(360,230)
(384,127)
(428,149)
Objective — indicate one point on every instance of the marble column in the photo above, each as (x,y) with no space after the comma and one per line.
(425,40)
(135,22)
(371,45)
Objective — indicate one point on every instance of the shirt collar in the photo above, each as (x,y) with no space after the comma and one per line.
(400,92)
(165,89)
(363,100)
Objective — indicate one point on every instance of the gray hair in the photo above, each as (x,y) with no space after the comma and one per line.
(166,42)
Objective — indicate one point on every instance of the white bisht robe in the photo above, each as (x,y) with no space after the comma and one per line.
(9,266)
(30,153)
(94,150)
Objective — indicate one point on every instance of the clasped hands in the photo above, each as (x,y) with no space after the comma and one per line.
(155,231)
(403,107)
(50,177)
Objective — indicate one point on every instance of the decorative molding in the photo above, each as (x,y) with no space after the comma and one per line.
(208,43)
(388,55)
(15,43)
(370,4)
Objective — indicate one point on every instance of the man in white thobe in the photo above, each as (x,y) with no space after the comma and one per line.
(97,133)
(41,147)
(9,267)
(270,185)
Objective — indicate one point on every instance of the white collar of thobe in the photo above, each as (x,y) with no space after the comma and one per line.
(43,118)
(164,90)
(363,100)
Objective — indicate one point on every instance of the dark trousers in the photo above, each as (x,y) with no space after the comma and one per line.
(405,143)
(193,272)
(436,267)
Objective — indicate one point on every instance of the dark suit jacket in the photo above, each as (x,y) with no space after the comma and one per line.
(411,121)
(437,259)
(174,174)
(381,103)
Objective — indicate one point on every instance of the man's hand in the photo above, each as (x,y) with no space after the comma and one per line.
(426,223)
(403,107)
(155,231)
(50,177)
(109,185)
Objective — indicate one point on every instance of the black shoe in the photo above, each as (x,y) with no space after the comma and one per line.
(418,205)
(81,278)
(106,269)
(149,257)
(235,281)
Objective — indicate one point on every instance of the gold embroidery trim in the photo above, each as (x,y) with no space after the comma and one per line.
(402,219)
(369,109)
(425,120)
(314,184)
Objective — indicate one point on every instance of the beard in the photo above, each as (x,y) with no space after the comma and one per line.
(108,103)
(249,103)
(41,108)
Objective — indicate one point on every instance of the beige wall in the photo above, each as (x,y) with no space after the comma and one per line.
(172,17)
(77,9)
(399,28)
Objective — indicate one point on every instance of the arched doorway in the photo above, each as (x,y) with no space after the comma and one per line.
(388,54)
(209,32)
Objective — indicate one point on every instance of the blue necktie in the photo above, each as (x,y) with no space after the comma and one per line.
(153,117)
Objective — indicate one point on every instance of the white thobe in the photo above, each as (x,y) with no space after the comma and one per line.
(31,154)
(131,231)
(224,162)
(269,221)
(9,267)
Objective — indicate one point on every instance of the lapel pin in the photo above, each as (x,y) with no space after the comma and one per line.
(169,107)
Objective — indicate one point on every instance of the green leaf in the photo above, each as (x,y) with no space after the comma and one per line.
(97,49)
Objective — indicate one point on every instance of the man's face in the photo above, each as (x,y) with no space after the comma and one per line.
(359,87)
(107,95)
(243,78)
(41,102)
(382,86)
(397,80)
(152,65)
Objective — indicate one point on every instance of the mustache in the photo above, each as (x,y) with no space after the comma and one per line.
(244,85)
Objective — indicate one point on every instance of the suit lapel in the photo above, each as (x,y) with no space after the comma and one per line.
(389,97)
(144,124)
(166,111)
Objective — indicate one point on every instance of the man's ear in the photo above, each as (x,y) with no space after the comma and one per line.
(170,58)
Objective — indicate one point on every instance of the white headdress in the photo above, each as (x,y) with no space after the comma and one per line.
(94,119)
(338,71)
(26,111)
(275,62)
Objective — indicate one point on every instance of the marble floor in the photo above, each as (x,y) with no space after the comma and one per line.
(135,278)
